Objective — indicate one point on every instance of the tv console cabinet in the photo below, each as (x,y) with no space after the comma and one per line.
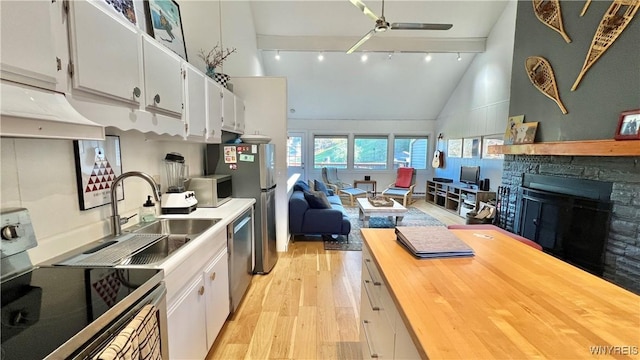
(456,197)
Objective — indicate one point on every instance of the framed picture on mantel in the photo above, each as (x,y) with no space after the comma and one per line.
(628,125)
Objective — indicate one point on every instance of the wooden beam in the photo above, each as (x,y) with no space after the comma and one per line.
(572,148)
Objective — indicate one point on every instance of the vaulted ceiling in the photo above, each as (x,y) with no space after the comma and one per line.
(395,82)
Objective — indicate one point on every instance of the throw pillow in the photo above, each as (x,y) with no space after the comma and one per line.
(322,187)
(317,200)
(404,177)
(301,186)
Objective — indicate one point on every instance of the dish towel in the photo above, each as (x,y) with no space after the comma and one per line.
(139,340)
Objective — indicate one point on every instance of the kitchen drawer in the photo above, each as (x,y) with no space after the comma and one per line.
(375,289)
(377,337)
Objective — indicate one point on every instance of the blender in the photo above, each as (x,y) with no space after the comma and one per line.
(177,200)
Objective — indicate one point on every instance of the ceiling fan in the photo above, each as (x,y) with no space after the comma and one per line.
(382,24)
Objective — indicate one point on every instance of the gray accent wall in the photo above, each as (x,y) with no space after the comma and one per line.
(611,86)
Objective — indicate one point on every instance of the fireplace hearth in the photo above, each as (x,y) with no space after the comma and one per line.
(568,217)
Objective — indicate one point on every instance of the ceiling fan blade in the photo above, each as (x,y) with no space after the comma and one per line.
(419,26)
(361,41)
(360,5)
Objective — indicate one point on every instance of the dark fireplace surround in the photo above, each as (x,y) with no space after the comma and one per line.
(582,209)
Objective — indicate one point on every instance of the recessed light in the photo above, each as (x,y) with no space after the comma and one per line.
(364,57)
(320,56)
(427,57)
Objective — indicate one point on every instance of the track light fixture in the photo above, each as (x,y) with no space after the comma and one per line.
(277,54)
(320,56)
(390,55)
(364,57)
(427,57)
(459,58)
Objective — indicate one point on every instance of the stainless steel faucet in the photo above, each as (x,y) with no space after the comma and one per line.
(116,222)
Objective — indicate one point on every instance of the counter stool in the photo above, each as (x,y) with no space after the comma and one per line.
(353,193)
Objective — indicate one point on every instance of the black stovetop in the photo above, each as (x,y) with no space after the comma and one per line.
(45,307)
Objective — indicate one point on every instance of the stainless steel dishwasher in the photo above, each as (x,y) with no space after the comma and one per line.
(241,260)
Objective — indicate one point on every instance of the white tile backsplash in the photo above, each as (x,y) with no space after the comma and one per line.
(40,175)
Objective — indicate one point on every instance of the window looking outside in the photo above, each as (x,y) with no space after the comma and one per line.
(294,151)
(330,151)
(370,152)
(410,152)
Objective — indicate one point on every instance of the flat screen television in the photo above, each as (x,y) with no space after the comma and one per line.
(470,175)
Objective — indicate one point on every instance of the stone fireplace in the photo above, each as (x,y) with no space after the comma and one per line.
(621,174)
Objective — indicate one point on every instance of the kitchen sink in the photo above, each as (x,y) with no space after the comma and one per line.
(177,233)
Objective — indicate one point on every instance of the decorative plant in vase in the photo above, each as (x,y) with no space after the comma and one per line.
(215,58)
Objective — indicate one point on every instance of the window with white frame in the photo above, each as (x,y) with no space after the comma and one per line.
(410,151)
(370,152)
(330,151)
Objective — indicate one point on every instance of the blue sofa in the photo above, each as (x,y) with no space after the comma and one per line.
(304,220)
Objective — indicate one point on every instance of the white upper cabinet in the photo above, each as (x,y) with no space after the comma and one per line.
(228,110)
(195,104)
(104,52)
(163,77)
(239,112)
(27,43)
(214,111)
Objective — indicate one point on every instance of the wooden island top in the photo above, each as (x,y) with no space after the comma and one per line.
(508,301)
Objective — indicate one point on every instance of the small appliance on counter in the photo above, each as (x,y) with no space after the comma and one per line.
(177,200)
(212,190)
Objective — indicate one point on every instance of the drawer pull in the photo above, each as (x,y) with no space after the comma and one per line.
(201,290)
(375,282)
(366,289)
(372,352)
(212,276)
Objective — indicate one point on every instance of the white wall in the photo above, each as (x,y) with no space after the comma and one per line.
(363,127)
(228,23)
(480,103)
(40,175)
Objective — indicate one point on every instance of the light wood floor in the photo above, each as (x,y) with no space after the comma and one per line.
(306,308)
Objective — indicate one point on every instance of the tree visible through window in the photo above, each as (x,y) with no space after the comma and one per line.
(330,151)
(370,153)
(410,152)
(294,151)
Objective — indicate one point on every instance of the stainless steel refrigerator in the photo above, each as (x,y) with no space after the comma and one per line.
(252,170)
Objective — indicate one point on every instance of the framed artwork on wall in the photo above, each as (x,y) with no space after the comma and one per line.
(525,133)
(471,148)
(490,140)
(454,148)
(628,125)
(164,23)
(98,163)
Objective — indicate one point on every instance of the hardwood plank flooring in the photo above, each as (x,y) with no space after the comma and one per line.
(306,308)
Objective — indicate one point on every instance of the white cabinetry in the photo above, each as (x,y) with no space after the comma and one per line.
(195,103)
(382,331)
(105,53)
(162,78)
(228,110)
(239,113)
(214,111)
(27,43)
(197,311)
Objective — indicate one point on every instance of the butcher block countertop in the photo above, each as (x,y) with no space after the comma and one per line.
(508,301)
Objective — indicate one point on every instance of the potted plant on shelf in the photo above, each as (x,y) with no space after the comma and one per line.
(214,59)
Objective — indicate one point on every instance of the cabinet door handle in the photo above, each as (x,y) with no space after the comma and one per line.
(201,290)
(374,307)
(156,99)
(372,352)
(212,276)
(136,92)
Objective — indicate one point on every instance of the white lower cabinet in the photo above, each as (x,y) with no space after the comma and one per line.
(186,323)
(383,334)
(198,299)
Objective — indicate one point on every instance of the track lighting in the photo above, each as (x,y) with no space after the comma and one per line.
(390,55)
(459,58)
(427,57)
(320,56)
(364,57)
(277,54)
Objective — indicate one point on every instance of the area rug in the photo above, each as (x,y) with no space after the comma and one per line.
(414,217)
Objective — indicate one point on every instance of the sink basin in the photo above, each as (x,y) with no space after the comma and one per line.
(192,227)
(178,232)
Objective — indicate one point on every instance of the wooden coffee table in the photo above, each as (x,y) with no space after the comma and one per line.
(366,210)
